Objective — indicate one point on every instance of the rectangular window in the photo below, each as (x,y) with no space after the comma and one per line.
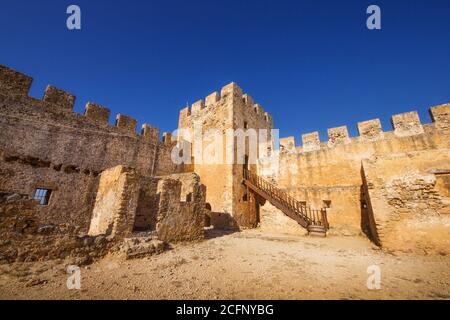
(43,196)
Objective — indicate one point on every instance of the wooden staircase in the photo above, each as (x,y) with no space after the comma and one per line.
(315,221)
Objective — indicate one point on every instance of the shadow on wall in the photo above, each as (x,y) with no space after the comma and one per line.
(368,225)
(223,221)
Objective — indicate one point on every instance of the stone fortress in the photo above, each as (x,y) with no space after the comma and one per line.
(74,185)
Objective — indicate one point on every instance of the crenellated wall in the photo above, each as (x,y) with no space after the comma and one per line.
(45,144)
(329,173)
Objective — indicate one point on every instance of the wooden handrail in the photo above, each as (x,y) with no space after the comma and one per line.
(289,205)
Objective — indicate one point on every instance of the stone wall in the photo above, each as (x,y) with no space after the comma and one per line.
(73,190)
(328,173)
(25,238)
(44,144)
(409,208)
(181,210)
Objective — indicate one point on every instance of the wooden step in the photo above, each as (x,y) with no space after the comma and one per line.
(317,231)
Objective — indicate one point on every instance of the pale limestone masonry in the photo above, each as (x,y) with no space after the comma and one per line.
(115,206)
(115,183)
(441,116)
(59,97)
(311,141)
(330,174)
(370,130)
(338,136)
(407,124)
(287,144)
(181,208)
(232,206)
(404,198)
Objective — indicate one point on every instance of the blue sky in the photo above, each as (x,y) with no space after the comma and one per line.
(312,64)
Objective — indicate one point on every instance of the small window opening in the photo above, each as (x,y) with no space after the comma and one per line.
(189,197)
(245,125)
(43,196)
(245,197)
(327,204)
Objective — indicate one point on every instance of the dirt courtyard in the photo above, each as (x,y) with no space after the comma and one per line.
(242,265)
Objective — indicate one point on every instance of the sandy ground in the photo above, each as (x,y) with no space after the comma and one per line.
(244,265)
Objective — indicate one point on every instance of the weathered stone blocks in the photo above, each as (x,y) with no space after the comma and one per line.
(311,141)
(182,209)
(198,106)
(97,113)
(248,100)
(232,90)
(287,144)
(134,248)
(116,203)
(150,133)
(370,130)
(212,99)
(258,108)
(59,97)
(441,116)
(167,138)
(268,118)
(14,82)
(337,136)
(126,123)
(407,124)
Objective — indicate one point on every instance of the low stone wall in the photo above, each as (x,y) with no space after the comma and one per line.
(173,206)
(182,210)
(24,238)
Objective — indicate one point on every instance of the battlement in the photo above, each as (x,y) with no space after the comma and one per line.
(14,83)
(97,113)
(403,125)
(150,133)
(167,139)
(59,97)
(230,91)
(440,115)
(126,123)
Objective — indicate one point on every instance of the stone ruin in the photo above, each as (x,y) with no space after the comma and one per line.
(75,185)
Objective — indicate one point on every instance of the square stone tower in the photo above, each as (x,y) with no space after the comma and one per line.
(214,129)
